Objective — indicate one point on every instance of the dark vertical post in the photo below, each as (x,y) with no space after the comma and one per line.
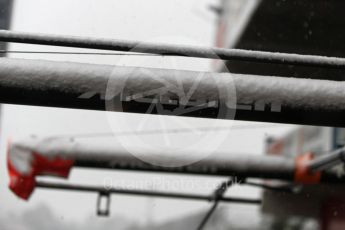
(5,17)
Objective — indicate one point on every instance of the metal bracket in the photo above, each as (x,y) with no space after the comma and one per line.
(103,204)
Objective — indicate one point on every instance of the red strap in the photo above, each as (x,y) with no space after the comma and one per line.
(24,184)
(302,174)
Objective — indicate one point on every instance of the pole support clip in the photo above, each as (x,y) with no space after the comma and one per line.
(103,204)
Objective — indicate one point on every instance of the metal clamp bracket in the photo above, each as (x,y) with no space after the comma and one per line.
(103,204)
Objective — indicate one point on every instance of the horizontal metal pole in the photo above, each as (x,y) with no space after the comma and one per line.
(259,167)
(157,91)
(168,49)
(110,155)
(236,165)
(89,188)
(107,154)
(328,161)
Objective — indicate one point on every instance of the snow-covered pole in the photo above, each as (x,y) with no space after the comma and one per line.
(236,165)
(168,49)
(56,156)
(172,92)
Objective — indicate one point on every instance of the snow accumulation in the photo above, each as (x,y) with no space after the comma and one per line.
(78,78)
(55,156)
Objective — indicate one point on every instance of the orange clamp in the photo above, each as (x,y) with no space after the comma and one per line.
(302,174)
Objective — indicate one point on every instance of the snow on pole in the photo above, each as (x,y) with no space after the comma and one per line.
(168,49)
(55,156)
(173,92)
(31,157)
